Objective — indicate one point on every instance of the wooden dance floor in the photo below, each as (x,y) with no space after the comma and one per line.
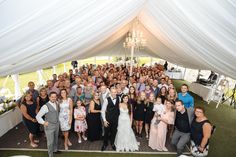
(17,138)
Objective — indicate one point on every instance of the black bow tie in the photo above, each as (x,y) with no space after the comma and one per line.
(114,99)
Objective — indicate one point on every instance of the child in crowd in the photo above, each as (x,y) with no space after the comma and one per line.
(80,121)
(158,109)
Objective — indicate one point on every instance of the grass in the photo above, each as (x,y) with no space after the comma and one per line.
(76,154)
(222,142)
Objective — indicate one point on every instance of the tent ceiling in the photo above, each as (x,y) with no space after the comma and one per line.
(194,34)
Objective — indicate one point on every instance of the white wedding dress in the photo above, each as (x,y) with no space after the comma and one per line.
(125,139)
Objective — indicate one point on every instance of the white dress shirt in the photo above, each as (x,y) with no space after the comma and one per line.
(126,90)
(43,111)
(160,85)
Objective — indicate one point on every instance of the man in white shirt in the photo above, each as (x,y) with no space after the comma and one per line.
(124,88)
(110,113)
(51,123)
(163,83)
(105,92)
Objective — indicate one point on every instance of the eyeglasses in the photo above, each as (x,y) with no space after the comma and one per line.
(198,112)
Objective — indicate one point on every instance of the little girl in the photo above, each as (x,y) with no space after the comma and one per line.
(80,121)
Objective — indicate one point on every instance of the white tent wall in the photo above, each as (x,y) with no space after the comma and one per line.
(190,33)
(201,33)
(61,32)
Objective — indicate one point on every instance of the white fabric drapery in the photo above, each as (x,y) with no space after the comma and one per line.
(41,80)
(15,78)
(190,33)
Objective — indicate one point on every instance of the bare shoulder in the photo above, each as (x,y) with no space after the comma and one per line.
(207,125)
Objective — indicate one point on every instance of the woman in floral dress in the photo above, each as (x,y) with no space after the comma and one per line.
(65,116)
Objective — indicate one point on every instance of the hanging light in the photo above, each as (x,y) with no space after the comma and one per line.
(135,38)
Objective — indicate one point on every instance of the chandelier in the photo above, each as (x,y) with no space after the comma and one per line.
(134,38)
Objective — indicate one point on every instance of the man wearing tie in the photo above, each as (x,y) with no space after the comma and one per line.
(110,115)
(51,123)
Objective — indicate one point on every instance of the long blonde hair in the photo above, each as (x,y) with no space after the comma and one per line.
(172,98)
(139,98)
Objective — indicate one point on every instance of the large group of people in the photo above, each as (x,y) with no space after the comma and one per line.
(105,103)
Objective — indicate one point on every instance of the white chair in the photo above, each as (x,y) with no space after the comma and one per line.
(217,92)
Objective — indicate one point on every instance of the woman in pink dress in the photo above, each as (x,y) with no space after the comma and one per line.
(157,139)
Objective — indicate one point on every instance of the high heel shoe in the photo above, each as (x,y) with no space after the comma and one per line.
(36,141)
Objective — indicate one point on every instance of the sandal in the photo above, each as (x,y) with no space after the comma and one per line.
(33,145)
(36,141)
(84,137)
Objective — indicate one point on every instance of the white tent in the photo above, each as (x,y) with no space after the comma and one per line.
(192,33)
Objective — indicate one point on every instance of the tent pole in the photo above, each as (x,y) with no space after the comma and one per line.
(184,73)
(131,60)
(15,78)
(41,80)
(198,74)
(54,69)
(95,60)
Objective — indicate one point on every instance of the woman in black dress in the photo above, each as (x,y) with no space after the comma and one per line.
(149,113)
(132,100)
(201,130)
(94,119)
(42,98)
(139,113)
(28,109)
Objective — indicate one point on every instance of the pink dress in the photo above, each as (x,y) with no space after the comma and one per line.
(157,138)
(80,125)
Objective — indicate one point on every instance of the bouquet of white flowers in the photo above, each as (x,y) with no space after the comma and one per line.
(6,104)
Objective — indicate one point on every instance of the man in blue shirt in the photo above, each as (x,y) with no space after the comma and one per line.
(185,97)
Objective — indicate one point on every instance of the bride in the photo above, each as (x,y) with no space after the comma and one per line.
(125,139)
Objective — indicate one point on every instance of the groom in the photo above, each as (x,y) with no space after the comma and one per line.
(110,114)
(51,123)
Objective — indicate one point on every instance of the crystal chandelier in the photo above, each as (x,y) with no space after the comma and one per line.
(134,41)
(135,38)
